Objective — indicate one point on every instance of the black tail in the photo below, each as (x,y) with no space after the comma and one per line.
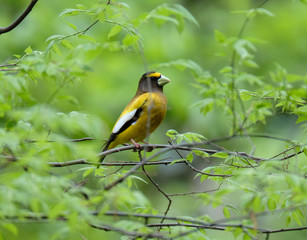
(106,147)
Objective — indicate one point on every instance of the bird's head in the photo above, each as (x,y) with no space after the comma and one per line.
(152,81)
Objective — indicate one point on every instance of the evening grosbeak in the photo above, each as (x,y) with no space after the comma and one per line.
(149,102)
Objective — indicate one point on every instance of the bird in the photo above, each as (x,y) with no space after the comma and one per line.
(143,114)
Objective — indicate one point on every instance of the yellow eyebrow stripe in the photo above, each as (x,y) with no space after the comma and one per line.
(155,74)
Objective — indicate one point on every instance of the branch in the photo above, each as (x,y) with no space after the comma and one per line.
(184,147)
(177,222)
(66,140)
(224,226)
(108,228)
(136,167)
(161,191)
(19,19)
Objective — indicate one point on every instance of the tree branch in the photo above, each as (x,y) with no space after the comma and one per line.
(184,147)
(19,19)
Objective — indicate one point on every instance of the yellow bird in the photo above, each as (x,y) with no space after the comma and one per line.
(149,102)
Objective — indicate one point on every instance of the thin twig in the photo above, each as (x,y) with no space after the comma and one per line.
(108,228)
(158,188)
(64,140)
(19,19)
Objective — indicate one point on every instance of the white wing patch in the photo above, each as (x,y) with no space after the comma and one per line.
(121,122)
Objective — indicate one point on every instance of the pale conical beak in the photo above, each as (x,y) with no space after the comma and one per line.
(163,80)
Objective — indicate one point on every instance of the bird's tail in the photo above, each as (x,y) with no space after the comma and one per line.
(105,148)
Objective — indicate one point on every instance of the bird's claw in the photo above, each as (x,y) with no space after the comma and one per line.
(136,145)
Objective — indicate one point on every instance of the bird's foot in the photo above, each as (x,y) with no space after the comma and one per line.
(137,145)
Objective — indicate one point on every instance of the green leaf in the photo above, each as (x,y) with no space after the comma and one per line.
(138,178)
(67,44)
(201,153)
(219,36)
(177,160)
(114,31)
(245,95)
(171,133)
(88,171)
(304,2)
(130,40)
(271,204)
(86,37)
(227,69)
(186,14)
(56,49)
(298,217)
(189,157)
(11,227)
(250,63)
(264,11)
(56,210)
(71,25)
(80,6)
(226,212)
(220,155)
(54,37)
(70,12)
(28,50)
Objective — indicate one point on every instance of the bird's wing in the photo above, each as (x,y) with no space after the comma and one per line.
(130,114)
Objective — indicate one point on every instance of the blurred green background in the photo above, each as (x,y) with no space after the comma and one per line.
(114,75)
(112,79)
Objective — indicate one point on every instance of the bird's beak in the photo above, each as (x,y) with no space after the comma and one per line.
(163,80)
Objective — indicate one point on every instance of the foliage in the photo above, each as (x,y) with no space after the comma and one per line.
(242,170)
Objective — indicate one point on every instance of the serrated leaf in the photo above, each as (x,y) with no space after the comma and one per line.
(114,31)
